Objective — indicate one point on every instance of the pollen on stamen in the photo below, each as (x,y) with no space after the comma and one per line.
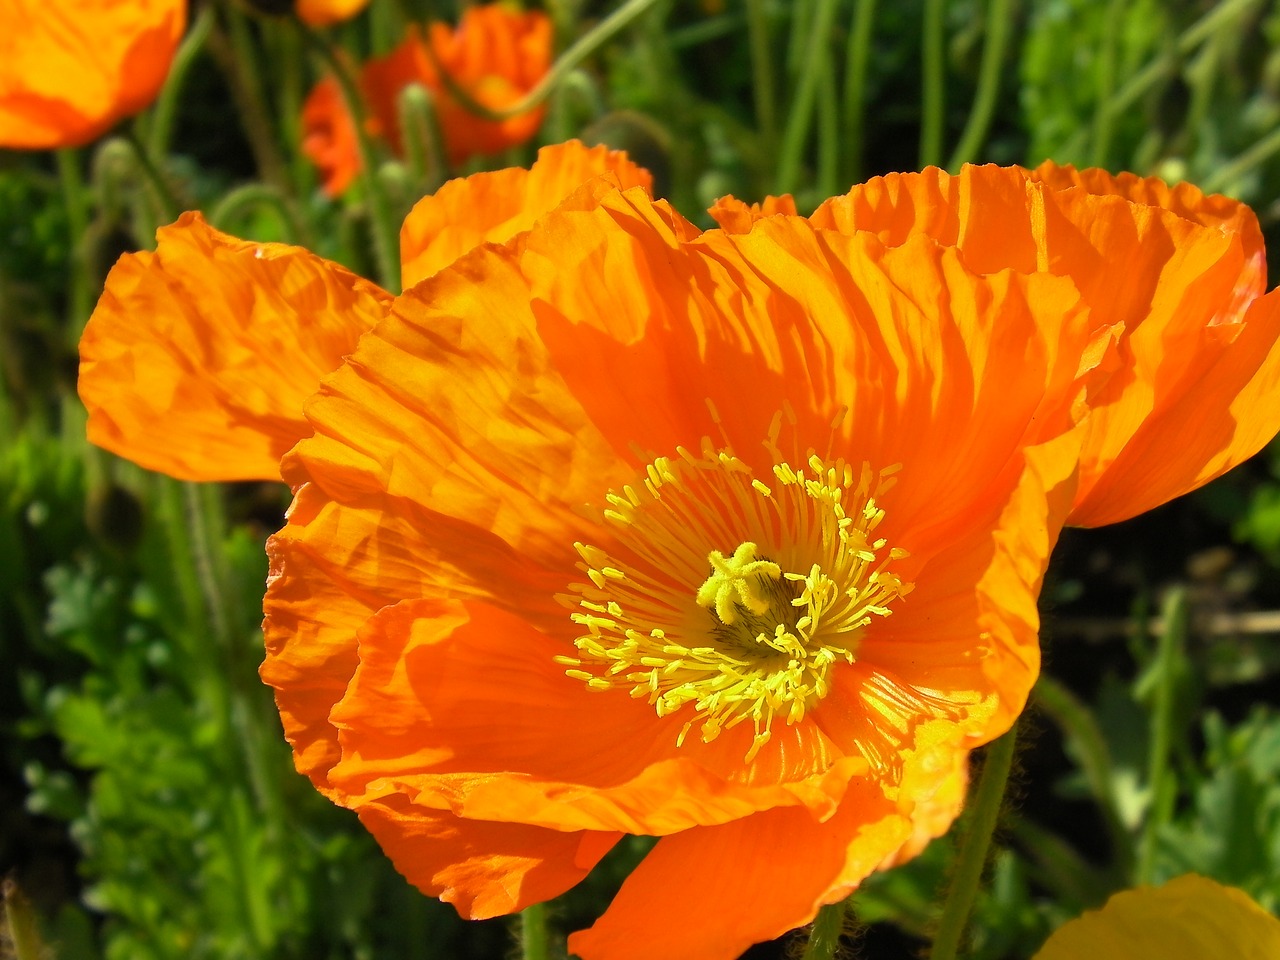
(729,599)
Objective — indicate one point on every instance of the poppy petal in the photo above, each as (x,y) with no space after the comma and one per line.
(483,869)
(493,207)
(464,705)
(198,357)
(711,892)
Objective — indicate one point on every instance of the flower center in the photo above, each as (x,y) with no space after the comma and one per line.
(746,635)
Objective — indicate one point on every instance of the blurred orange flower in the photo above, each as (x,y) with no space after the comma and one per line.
(198,356)
(70,69)
(495,56)
(322,13)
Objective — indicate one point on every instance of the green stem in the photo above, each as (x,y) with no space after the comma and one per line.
(73,196)
(166,105)
(586,45)
(828,133)
(800,115)
(386,232)
(1146,78)
(1162,786)
(535,935)
(983,811)
(1223,177)
(999,19)
(1085,739)
(933,91)
(168,202)
(824,935)
(237,56)
(855,84)
(1106,84)
(250,195)
(763,87)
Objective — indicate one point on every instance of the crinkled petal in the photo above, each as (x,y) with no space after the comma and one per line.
(464,705)
(736,216)
(493,207)
(198,357)
(334,565)
(963,646)
(1165,270)
(483,869)
(1190,918)
(768,338)
(710,892)
(70,70)
(454,403)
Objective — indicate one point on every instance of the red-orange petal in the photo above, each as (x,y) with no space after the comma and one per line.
(69,70)
(496,56)
(483,869)
(493,207)
(711,892)
(329,137)
(198,356)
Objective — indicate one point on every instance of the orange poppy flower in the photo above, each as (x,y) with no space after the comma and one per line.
(1179,277)
(730,539)
(198,357)
(495,56)
(733,538)
(322,13)
(70,69)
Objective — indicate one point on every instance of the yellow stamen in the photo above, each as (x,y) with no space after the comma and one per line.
(748,636)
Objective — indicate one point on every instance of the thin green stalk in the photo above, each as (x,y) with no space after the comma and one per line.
(248,196)
(586,45)
(420,134)
(800,115)
(1082,733)
(1227,174)
(983,812)
(236,56)
(824,935)
(1163,787)
(166,105)
(932,80)
(71,180)
(162,192)
(1103,115)
(858,57)
(828,133)
(763,86)
(386,232)
(535,935)
(1223,16)
(999,19)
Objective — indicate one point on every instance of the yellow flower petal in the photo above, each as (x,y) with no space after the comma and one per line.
(1190,918)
